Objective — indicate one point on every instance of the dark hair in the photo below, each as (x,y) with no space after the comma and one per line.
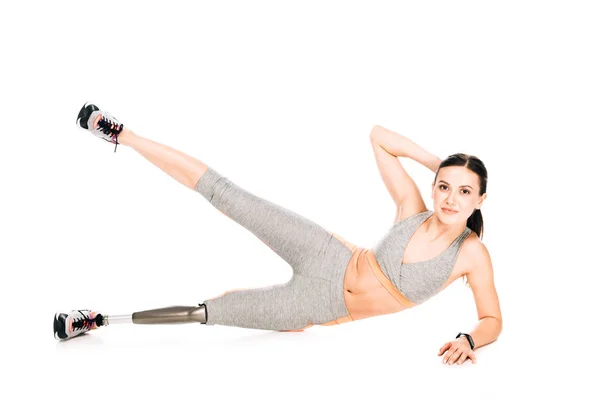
(475,221)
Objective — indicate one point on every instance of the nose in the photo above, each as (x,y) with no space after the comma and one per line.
(451,199)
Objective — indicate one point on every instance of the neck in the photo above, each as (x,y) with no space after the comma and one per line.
(435,229)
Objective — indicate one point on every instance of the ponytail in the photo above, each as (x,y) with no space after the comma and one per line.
(475,223)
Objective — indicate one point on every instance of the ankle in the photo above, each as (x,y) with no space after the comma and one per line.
(125,137)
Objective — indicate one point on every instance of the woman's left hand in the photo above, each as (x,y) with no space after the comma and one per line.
(457,351)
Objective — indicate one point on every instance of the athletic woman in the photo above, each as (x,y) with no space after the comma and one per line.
(335,281)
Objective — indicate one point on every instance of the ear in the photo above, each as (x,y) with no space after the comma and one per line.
(483,197)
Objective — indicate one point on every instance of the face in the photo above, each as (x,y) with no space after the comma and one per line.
(456,188)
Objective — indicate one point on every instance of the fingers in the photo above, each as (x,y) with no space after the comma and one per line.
(472,357)
(462,358)
(444,348)
(449,355)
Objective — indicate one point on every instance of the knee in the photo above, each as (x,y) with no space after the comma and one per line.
(212,184)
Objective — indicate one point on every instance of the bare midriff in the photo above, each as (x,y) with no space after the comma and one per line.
(367,291)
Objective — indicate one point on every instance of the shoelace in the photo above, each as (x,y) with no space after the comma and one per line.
(83,323)
(109,127)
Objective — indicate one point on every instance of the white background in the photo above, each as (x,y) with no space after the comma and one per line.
(280,97)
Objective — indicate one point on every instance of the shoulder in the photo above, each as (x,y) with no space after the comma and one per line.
(476,254)
(407,214)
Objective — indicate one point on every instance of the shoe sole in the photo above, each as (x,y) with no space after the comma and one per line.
(59,327)
(81,113)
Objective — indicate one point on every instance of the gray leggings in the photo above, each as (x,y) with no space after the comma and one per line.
(314,294)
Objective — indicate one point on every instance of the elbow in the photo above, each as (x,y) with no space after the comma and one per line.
(497,320)
(498,325)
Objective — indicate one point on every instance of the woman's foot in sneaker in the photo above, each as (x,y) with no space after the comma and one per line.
(69,325)
(100,123)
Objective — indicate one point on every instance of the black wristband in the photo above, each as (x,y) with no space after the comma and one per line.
(469,338)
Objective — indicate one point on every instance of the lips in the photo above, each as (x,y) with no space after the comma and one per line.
(449,210)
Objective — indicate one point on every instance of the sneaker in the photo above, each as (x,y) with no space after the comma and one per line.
(67,326)
(107,127)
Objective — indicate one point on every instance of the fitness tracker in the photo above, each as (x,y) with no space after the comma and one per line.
(469,338)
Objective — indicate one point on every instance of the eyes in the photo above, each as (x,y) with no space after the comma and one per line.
(465,190)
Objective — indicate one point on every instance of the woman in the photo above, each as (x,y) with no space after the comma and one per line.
(335,281)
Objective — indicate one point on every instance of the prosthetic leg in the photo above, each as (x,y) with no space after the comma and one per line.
(69,325)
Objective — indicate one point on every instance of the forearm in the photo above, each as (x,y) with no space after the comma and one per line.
(401,146)
(486,331)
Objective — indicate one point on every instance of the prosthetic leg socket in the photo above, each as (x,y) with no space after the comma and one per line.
(171,315)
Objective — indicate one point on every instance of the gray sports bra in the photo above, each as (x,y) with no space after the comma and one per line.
(421,280)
